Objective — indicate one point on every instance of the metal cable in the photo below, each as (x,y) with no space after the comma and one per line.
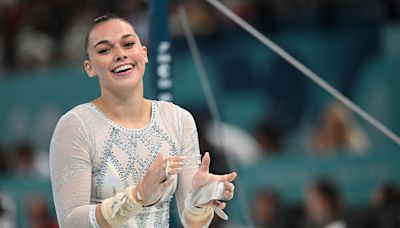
(212,105)
(306,71)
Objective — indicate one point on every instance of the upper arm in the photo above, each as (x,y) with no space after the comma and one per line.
(70,168)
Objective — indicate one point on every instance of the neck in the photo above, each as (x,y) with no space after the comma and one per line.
(129,110)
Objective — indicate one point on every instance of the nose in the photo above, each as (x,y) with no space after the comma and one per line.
(119,55)
(120,58)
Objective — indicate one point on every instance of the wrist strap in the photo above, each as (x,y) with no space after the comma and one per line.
(120,208)
(198,214)
(213,191)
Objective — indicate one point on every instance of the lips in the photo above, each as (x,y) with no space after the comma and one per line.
(122,68)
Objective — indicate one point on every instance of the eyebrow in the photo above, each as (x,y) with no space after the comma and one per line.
(108,42)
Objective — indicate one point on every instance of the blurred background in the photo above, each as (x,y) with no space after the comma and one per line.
(303,159)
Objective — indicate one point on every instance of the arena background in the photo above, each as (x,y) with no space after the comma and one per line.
(283,131)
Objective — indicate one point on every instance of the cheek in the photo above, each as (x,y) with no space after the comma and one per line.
(139,55)
(101,66)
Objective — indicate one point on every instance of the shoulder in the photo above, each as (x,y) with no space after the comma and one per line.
(176,116)
(70,129)
(75,116)
(170,109)
(81,110)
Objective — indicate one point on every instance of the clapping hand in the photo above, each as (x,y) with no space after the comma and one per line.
(156,180)
(203,177)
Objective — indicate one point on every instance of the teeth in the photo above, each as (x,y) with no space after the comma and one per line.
(122,68)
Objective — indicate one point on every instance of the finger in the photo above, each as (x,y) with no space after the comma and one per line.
(173,164)
(205,163)
(172,168)
(219,204)
(228,177)
(167,170)
(174,171)
(159,159)
(229,190)
(228,195)
(229,186)
(158,164)
(177,158)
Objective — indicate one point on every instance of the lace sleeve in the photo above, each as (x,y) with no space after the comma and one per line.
(70,168)
(190,148)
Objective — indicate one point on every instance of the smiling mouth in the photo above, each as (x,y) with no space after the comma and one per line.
(123,68)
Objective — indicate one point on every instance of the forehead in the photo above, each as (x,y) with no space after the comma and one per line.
(110,30)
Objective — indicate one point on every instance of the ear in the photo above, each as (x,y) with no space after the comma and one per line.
(89,68)
(145,54)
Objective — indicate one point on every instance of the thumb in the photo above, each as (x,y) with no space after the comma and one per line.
(205,163)
(167,183)
(159,158)
(231,177)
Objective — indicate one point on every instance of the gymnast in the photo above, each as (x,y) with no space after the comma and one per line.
(118,160)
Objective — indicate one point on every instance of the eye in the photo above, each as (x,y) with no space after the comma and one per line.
(129,44)
(103,51)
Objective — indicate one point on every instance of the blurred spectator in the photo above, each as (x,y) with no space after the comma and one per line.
(38,212)
(386,206)
(4,161)
(237,142)
(1,49)
(322,206)
(219,164)
(24,155)
(43,29)
(34,48)
(72,47)
(245,9)
(337,130)
(12,14)
(270,138)
(29,162)
(266,210)
(386,195)
(202,19)
(7,211)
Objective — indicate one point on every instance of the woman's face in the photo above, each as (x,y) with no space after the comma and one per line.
(116,56)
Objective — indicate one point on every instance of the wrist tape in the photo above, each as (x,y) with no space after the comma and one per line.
(213,191)
(119,209)
(198,214)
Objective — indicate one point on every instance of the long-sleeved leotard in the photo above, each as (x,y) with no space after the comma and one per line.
(92,158)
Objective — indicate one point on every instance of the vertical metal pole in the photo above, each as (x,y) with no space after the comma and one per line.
(160,57)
